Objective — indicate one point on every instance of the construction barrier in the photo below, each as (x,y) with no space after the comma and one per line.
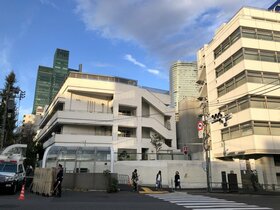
(43,181)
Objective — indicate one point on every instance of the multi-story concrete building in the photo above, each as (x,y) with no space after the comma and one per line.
(111,115)
(49,80)
(240,72)
(183,76)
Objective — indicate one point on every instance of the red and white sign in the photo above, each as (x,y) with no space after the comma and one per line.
(200,126)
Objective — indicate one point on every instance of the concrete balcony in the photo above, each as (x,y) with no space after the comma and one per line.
(77,118)
(79,140)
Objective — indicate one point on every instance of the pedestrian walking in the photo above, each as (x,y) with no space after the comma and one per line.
(134,179)
(58,182)
(158,181)
(177,180)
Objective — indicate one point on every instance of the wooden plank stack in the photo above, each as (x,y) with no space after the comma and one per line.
(43,181)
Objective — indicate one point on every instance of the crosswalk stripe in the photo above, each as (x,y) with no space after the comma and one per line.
(245,208)
(199,202)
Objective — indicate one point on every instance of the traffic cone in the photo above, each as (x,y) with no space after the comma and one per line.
(21,196)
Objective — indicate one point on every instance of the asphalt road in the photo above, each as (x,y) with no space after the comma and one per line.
(84,201)
(130,201)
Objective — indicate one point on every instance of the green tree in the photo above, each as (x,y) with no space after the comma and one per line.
(8,110)
(156,141)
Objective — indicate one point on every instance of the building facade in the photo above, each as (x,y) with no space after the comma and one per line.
(239,73)
(108,114)
(49,80)
(183,76)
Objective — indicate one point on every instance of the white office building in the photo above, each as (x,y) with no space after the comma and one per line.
(240,73)
(101,119)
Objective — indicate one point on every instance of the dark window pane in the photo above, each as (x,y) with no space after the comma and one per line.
(246,129)
(264,34)
(273,103)
(270,78)
(257,102)
(275,128)
(261,128)
(254,76)
(251,54)
(268,56)
(234,132)
(240,79)
(249,33)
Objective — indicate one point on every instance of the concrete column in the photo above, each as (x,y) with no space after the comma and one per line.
(269,171)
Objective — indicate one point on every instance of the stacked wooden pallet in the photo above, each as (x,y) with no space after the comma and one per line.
(43,181)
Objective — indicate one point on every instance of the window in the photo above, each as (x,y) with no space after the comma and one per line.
(268,56)
(246,129)
(254,76)
(251,54)
(225,44)
(276,36)
(243,104)
(224,109)
(234,132)
(232,108)
(240,79)
(273,103)
(235,36)
(264,34)
(227,64)
(219,70)
(237,57)
(257,102)
(249,33)
(261,128)
(275,128)
(225,134)
(270,78)
(229,85)
(221,90)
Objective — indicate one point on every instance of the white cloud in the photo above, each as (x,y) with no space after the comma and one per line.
(134,61)
(49,3)
(168,29)
(131,59)
(154,71)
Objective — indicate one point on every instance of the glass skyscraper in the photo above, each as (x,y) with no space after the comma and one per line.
(49,80)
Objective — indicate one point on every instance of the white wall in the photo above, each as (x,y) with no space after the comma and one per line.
(192,173)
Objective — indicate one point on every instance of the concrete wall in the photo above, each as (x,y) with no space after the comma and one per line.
(192,173)
(86,181)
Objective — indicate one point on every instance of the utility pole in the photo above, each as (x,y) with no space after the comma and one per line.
(8,99)
(207,145)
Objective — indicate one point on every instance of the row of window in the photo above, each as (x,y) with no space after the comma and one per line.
(250,54)
(246,32)
(248,76)
(251,128)
(251,101)
(227,43)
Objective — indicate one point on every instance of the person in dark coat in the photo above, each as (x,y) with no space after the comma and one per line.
(158,181)
(58,182)
(177,180)
(134,179)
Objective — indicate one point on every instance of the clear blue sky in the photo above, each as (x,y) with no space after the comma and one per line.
(135,39)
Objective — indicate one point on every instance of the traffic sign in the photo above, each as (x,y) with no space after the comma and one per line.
(200,126)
